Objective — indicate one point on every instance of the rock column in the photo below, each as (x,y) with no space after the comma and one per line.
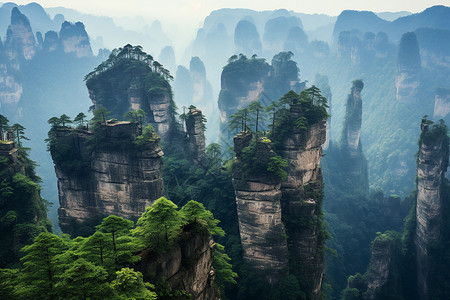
(301,203)
(258,204)
(432,164)
(196,133)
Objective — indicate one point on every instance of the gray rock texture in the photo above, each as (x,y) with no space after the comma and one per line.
(301,201)
(258,196)
(432,163)
(196,133)
(380,267)
(116,182)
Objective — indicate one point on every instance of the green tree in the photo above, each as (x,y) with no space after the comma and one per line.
(38,276)
(80,120)
(9,283)
(19,132)
(65,119)
(159,225)
(83,280)
(117,227)
(224,271)
(195,212)
(135,115)
(54,122)
(148,135)
(129,284)
(95,247)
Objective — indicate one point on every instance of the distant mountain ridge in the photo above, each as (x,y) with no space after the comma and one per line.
(433,17)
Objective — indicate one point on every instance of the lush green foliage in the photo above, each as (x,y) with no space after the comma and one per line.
(22,209)
(128,67)
(70,148)
(98,266)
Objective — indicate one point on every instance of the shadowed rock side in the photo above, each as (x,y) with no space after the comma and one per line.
(186,266)
(432,163)
(355,165)
(408,68)
(380,267)
(118,182)
(196,133)
(301,202)
(259,212)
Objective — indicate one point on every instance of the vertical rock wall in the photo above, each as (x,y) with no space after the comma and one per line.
(119,182)
(301,202)
(259,213)
(432,164)
(196,133)
(354,166)
(380,267)
(408,68)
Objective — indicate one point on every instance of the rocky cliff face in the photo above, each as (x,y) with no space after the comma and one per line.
(301,201)
(196,133)
(380,267)
(19,47)
(20,43)
(355,165)
(259,212)
(432,164)
(187,266)
(408,68)
(119,182)
(74,39)
(130,80)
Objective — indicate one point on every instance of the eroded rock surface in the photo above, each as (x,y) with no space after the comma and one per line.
(258,197)
(119,182)
(431,167)
(196,133)
(380,267)
(301,201)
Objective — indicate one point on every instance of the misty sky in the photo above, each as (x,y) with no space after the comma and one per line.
(196,10)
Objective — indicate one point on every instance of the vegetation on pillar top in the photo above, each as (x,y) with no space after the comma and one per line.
(68,155)
(128,67)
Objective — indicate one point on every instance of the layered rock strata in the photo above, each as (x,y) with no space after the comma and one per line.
(301,201)
(186,266)
(258,196)
(432,163)
(196,133)
(113,181)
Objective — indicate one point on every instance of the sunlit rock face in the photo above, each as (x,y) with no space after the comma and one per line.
(20,43)
(302,199)
(432,163)
(74,39)
(408,68)
(114,181)
(259,213)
